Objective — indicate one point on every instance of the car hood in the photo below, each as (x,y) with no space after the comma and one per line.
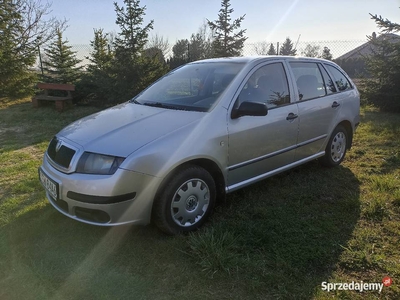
(125,128)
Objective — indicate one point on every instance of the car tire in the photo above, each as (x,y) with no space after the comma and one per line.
(335,150)
(185,201)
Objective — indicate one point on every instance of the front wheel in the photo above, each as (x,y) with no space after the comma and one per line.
(186,201)
(335,150)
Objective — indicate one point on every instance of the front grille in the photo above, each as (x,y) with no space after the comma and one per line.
(61,156)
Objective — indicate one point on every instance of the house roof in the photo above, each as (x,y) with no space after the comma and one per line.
(368,48)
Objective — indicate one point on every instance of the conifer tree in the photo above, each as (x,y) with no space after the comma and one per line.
(383,89)
(287,48)
(133,69)
(61,64)
(385,25)
(228,37)
(98,81)
(271,50)
(101,56)
(123,67)
(195,47)
(133,37)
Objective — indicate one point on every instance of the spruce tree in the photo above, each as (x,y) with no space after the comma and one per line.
(101,56)
(385,25)
(287,48)
(271,50)
(383,66)
(98,81)
(61,64)
(133,69)
(228,37)
(133,37)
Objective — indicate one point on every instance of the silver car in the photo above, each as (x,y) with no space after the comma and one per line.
(201,131)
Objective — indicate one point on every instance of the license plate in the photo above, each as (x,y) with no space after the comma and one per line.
(50,185)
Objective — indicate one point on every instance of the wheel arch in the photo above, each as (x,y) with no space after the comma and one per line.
(207,164)
(347,125)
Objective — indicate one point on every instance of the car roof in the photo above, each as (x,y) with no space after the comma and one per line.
(249,59)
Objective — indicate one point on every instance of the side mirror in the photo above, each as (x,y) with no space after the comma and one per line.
(250,109)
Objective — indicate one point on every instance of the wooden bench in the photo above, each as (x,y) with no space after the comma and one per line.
(61,101)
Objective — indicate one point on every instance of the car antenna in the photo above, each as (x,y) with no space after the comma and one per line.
(298,39)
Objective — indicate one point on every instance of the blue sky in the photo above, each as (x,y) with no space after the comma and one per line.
(266,20)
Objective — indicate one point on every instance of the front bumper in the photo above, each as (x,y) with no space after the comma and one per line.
(122,198)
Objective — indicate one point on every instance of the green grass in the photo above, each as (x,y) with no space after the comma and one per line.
(278,239)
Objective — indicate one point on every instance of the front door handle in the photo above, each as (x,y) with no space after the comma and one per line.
(291,117)
(335,104)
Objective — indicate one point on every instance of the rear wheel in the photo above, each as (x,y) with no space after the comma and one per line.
(335,150)
(186,201)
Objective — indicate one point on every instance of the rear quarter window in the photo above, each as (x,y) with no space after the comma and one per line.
(340,79)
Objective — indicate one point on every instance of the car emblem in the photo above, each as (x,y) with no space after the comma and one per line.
(58,146)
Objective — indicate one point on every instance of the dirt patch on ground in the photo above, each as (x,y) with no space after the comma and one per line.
(14,129)
(34,152)
(14,135)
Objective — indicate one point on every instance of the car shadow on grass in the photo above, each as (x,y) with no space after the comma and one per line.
(279,238)
(282,237)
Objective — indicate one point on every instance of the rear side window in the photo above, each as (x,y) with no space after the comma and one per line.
(309,80)
(341,81)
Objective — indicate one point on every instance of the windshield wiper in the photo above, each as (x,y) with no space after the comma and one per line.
(162,105)
(135,101)
(156,104)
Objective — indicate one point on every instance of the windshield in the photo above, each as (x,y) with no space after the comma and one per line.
(192,87)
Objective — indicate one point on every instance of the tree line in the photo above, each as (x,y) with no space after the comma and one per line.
(124,63)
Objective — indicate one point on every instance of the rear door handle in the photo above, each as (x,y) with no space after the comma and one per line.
(291,117)
(335,104)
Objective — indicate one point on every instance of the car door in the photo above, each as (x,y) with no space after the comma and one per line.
(260,144)
(348,96)
(318,107)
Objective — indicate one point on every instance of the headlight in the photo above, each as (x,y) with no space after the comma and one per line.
(92,163)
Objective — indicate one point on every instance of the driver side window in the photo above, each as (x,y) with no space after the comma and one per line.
(267,85)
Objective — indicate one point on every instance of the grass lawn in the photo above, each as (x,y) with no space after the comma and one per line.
(278,239)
